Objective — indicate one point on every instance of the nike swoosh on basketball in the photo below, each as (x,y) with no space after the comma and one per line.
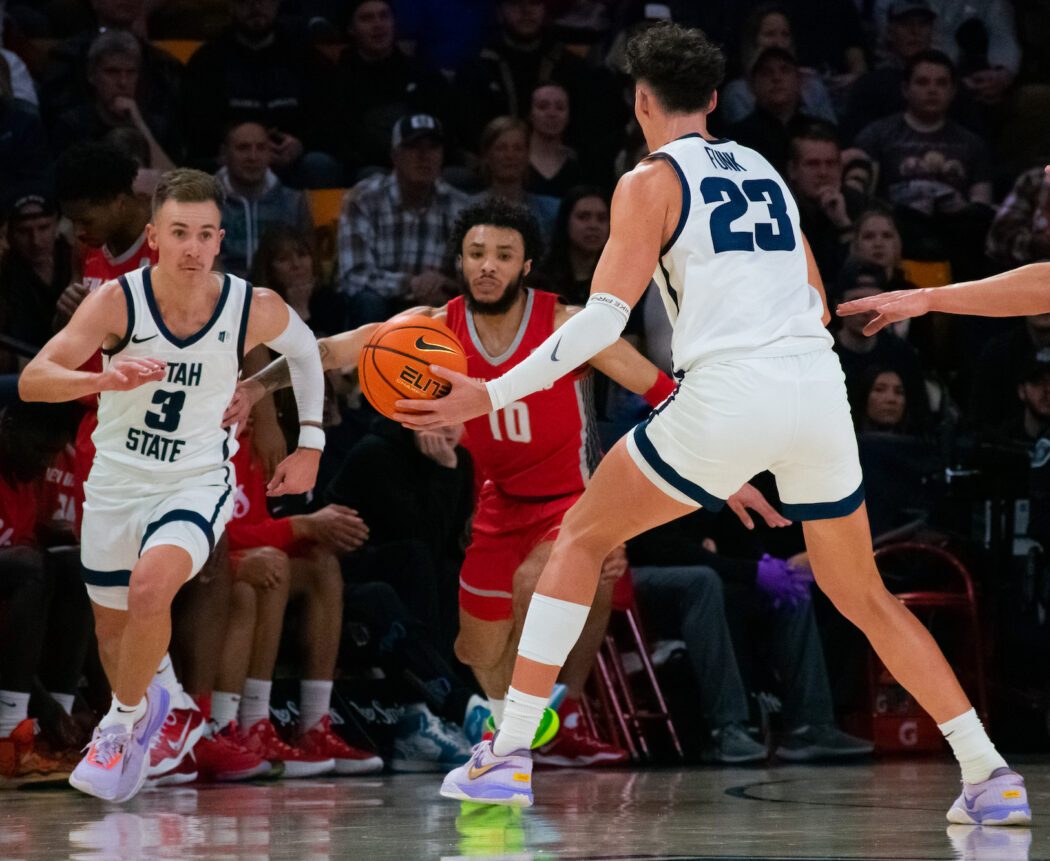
(424,345)
(554,352)
(135,340)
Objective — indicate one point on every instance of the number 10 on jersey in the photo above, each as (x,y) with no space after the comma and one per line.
(515,421)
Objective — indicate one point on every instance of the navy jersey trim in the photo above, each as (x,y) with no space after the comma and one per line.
(824,510)
(151,302)
(243,333)
(221,502)
(667,282)
(715,141)
(104,578)
(175,515)
(687,200)
(663,469)
(130,302)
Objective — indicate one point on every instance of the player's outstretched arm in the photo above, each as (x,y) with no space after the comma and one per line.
(100,320)
(1017,293)
(645,201)
(273,323)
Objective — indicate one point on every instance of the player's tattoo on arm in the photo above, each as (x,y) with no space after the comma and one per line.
(274,376)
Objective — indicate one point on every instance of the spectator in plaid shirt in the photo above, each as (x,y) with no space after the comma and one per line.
(1020,232)
(392,233)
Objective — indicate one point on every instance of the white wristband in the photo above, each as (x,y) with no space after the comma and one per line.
(311,437)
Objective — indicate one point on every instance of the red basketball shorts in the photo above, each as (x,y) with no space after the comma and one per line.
(505,532)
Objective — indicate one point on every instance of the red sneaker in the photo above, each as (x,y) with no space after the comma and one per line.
(21,762)
(262,740)
(574,746)
(222,756)
(185,772)
(322,741)
(182,730)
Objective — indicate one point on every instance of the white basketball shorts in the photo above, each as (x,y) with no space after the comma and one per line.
(729,421)
(123,518)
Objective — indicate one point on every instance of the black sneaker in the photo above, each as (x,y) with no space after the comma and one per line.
(732,744)
(820,741)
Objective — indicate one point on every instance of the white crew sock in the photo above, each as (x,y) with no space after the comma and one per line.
(970,743)
(165,677)
(14,708)
(255,702)
(521,719)
(496,707)
(64,700)
(123,714)
(224,708)
(315,698)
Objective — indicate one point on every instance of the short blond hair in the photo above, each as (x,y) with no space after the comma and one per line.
(186,185)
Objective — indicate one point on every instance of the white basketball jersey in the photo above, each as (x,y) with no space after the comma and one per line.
(733,276)
(171,429)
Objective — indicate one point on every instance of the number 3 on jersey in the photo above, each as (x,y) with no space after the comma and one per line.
(515,418)
(732,202)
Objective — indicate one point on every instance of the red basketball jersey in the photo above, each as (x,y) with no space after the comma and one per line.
(98,265)
(545,445)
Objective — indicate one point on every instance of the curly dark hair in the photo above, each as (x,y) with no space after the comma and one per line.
(95,172)
(497,213)
(681,64)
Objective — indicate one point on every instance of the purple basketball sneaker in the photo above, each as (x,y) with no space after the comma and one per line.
(492,779)
(117,760)
(999,800)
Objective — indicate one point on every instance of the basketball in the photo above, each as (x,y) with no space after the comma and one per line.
(395,363)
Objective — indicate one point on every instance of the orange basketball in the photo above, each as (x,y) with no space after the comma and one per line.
(395,363)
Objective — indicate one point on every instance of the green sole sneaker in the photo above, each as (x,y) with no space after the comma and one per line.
(549,726)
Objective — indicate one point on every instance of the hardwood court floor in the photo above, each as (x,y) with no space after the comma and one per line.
(888,809)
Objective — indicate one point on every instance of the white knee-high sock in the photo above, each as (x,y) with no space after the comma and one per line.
(973,749)
(496,707)
(552,627)
(64,700)
(165,677)
(255,702)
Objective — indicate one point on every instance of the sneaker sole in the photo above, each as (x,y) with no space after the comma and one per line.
(1017,816)
(296,768)
(359,766)
(172,779)
(516,799)
(262,770)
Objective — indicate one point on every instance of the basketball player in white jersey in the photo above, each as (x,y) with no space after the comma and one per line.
(161,487)
(759,388)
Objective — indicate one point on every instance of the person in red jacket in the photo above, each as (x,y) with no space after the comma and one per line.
(276,559)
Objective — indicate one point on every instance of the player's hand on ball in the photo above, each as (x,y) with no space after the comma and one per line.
(125,374)
(467,399)
(887,308)
(749,497)
(297,473)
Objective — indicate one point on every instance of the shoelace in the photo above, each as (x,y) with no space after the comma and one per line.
(107,747)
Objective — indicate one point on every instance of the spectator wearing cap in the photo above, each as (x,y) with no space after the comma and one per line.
(1033,392)
(998,367)
(24,155)
(879,92)
(768,26)
(114,64)
(393,229)
(827,207)
(255,198)
(1020,231)
(35,270)
(936,173)
(259,69)
(777,84)
(378,83)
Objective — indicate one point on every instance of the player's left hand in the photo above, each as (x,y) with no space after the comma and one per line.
(467,399)
(750,497)
(241,405)
(615,565)
(888,308)
(297,473)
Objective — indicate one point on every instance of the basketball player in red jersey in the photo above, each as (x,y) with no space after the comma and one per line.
(535,456)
